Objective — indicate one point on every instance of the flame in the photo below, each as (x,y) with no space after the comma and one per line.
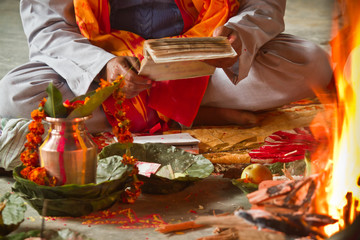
(338,158)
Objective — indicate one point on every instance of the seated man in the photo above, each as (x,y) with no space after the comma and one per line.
(74,43)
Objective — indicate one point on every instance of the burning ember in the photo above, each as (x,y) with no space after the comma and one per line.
(337,160)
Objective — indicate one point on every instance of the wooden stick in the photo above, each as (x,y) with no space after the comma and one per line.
(167,228)
(356,212)
(347,209)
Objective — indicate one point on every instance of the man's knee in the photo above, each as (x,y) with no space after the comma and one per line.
(319,71)
(22,89)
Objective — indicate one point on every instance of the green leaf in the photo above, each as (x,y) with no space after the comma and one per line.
(14,211)
(185,168)
(22,235)
(63,234)
(12,214)
(245,186)
(295,167)
(110,168)
(54,105)
(96,99)
(61,200)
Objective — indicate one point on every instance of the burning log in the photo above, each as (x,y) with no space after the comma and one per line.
(246,224)
(296,224)
(280,211)
(295,195)
(350,211)
(235,228)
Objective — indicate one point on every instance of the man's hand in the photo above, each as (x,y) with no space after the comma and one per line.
(127,67)
(235,42)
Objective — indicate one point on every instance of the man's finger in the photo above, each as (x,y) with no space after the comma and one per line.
(134,63)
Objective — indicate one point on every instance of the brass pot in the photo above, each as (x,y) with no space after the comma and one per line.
(68,152)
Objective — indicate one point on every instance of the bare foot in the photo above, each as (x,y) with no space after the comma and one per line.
(225,116)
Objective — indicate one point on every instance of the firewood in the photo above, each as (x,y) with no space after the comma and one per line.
(273,191)
(223,222)
(167,228)
(269,183)
(296,224)
(293,194)
(238,228)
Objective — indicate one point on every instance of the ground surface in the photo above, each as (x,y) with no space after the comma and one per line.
(306,18)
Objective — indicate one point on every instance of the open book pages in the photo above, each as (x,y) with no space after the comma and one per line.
(171,139)
(180,140)
(179,58)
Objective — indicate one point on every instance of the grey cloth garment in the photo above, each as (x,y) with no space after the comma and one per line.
(277,77)
(12,141)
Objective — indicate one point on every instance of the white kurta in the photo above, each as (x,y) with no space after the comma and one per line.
(273,68)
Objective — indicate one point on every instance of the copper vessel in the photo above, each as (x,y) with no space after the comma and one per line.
(68,152)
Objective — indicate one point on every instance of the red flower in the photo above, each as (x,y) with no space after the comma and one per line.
(72,105)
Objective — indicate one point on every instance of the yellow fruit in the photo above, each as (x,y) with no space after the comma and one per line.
(256,173)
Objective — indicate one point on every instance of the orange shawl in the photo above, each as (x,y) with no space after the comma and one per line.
(179,99)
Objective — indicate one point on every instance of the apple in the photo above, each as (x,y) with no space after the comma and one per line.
(256,173)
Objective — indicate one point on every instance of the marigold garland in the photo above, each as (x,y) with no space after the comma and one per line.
(123,135)
(30,156)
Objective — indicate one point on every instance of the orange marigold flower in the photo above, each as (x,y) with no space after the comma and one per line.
(52,182)
(33,138)
(25,171)
(128,159)
(135,171)
(42,102)
(37,115)
(125,138)
(29,158)
(86,100)
(36,128)
(38,175)
(31,145)
(103,83)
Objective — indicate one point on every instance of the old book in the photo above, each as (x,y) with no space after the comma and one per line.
(180,140)
(179,58)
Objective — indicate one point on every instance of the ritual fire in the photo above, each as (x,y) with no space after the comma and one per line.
(337,159)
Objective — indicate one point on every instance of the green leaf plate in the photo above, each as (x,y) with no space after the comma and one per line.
(72,199)
(178,170)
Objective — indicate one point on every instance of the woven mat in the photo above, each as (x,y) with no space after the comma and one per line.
(231,144)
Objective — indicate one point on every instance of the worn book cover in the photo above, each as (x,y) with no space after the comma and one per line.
(179,58)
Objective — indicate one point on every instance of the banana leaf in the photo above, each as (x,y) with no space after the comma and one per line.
(178,170)
(60,200)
